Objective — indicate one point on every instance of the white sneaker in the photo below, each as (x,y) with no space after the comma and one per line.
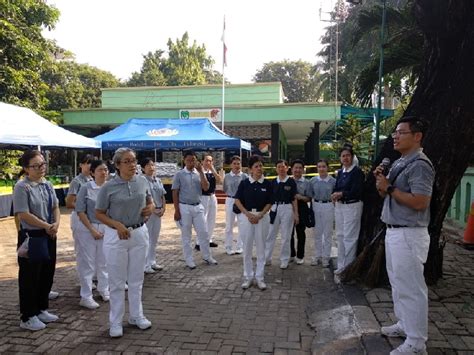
(149,270)
(191,265)
(239,251)
(229,251)
(105,296)
(210,261)
(53,295)
(33,324)
(261,285)
(325,263)
(47,317)
(157,267)
(299,261)
(393,331)
(315,261)
(116,331)
(409,349)
(141,322)
(246,284)
(284,265)
(88,303)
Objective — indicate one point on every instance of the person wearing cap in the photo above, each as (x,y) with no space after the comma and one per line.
(153,224)
(407,191)
(91,259)
(285,207)
(347,196)
(321,188)
(123,204)
(302,198)
(208,197)
(254,199)
(37,208)
(187,187)
(231,184)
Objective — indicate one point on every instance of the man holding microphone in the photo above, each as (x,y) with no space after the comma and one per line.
(407,193)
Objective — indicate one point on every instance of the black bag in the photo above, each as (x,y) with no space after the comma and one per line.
(273,215)
(310,222)
(38,251)
(235,209)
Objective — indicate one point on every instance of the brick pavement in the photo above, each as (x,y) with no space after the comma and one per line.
(204,311)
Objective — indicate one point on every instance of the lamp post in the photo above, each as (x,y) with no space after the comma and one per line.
(379,98)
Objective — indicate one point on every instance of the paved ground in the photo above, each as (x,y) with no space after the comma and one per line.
(205,311)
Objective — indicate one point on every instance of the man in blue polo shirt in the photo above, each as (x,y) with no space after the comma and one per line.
(407,193)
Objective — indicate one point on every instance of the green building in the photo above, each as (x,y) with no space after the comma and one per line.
(253,112)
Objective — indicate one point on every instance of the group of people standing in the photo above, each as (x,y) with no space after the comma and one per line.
(116,223)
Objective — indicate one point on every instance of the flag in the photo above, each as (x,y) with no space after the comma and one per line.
(224,47)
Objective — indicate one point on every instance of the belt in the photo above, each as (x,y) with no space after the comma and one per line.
(349,201)
(396,226)
(135,226)
(282,203)
(322,201)
(231,197)
(191,204)
(208,194)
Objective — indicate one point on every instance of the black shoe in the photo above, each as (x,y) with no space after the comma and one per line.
(213,245)
(197,247)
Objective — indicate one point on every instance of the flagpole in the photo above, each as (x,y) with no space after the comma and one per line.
(224,49)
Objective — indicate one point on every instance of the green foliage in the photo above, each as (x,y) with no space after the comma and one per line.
(186,64)
(300,80)
(8,163)
(23,50)
(72,85)
(351,130)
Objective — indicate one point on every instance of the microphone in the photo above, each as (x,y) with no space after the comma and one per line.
(386,166)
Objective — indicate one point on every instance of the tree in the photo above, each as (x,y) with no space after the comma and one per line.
(72,85)
(443,97)
(186,64)
(299,79)
(23,50)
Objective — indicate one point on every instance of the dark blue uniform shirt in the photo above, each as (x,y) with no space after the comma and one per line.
(284,192)
(212,184)
(350,183)
(254,195)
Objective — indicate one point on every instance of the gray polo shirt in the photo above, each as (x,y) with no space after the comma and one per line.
(302,186)
(86,198)
(417,178)
(77,182)
(321,189)
(33,197)
(124,200)
(232,181)
(157,190)
(189,185)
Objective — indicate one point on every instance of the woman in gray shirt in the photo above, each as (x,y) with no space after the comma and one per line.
(90,254)
(36,206)
(123,204)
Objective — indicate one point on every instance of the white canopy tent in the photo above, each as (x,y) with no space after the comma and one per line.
(20,126)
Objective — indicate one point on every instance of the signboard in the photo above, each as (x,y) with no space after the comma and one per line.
(214,114)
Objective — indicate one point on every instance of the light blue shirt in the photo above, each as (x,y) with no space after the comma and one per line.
(86,199)
(321,189)
(189,185)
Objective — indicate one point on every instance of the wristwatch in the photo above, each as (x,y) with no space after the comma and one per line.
(390,189)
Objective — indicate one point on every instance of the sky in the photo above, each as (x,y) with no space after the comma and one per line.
(113,35)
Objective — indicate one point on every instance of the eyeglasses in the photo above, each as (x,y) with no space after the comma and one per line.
(129,161)
(400,133)
(37,166)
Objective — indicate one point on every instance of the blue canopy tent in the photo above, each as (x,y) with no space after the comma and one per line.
(169,134)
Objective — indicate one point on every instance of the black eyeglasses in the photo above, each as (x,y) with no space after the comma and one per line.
(37,166)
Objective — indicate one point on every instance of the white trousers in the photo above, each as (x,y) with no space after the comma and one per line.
(210,212)
(193,216)
(406,250)
(347,231)
(125,263)
(284,223)
(230,218)
(324,225)
(91,261)
(154,226)
(253,233)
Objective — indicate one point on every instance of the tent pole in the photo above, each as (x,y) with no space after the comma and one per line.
(155,155)
(39,148)
(100,153)
(75,162)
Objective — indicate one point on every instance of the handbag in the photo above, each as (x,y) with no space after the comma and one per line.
(310,221)
(235,209)
(38,251)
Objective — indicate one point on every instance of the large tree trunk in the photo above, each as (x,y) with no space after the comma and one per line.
(444,97)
